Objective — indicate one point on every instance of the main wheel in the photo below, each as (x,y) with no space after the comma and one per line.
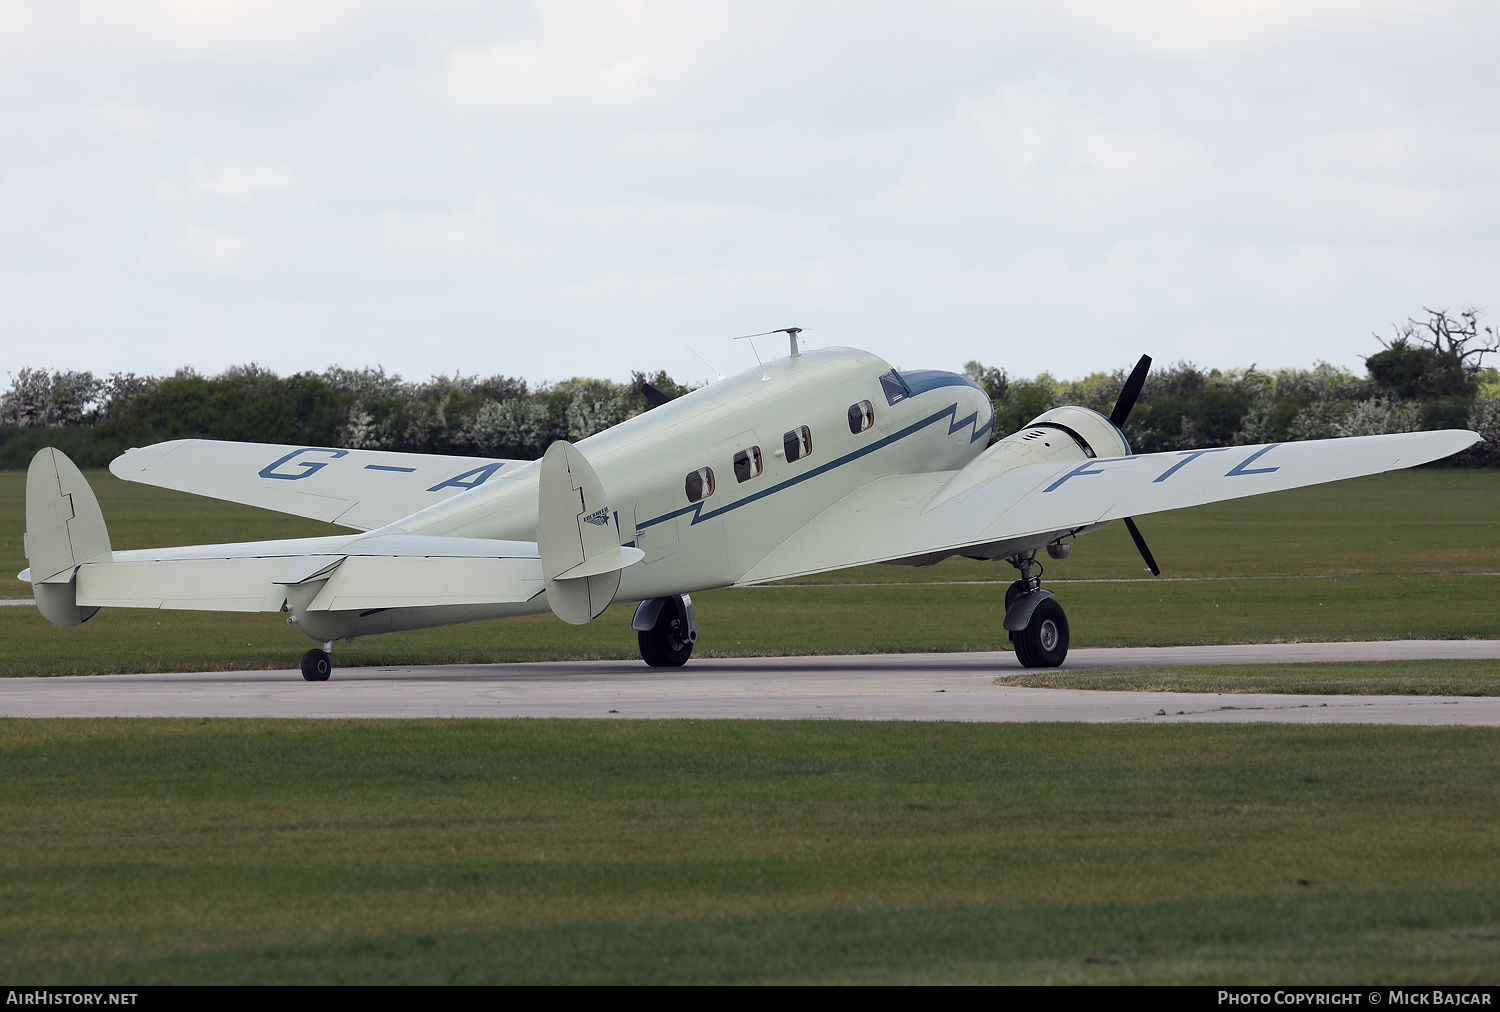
(1044,641)
(317,666)
(666,644)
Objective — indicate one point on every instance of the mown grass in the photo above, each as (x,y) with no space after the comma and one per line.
(791,621)
(720,852)
(1363,678)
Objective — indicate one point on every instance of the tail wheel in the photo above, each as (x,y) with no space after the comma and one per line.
(666,644)
(1044,641)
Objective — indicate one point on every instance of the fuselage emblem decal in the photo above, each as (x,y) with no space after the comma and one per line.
(599,517)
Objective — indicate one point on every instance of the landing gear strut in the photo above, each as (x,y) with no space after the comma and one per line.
(666,630)
(317,665)
(1036,623)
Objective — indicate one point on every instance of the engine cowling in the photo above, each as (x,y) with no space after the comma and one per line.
(1093,432)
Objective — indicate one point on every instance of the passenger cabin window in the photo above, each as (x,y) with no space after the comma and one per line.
(797,443)
(748,464)
(861,416)
(894,387)
(700,484)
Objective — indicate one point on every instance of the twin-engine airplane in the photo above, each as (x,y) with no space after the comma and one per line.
(818,461)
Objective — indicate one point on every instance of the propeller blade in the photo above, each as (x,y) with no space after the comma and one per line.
(1130,392)
(1140,543)
(653,396)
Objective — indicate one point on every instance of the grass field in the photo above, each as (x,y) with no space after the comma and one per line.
(1363,678)
(1402,555)
(575,851)
(260,851)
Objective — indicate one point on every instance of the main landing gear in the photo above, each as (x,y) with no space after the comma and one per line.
(666,630)
(317,665)
(1036,623)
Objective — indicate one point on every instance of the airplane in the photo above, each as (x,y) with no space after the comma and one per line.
(821,460)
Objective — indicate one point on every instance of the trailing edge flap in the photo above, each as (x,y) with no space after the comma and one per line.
(578,537)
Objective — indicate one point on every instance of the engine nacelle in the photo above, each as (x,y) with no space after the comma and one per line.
(1065,433)
(1093,432)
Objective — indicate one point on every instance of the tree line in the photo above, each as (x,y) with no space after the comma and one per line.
(1428,375)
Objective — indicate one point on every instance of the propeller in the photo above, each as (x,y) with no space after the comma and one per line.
(653,396)
(1140,543)
(1128,394)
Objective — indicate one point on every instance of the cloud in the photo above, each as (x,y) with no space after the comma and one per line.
(32,34)
(1029,155)
(238,181)
(1190,29)
(529,186)
(197,249)
(576,59)
(130,121)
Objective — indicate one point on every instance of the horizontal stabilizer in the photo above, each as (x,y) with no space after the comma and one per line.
(362,489)
(341,574)
(608,561)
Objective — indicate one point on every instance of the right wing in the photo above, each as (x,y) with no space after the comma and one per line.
(362,489)
(922,518)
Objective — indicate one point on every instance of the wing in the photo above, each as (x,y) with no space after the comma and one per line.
(926,517)
(362,489)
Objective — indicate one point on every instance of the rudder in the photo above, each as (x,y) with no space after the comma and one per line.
(64,529)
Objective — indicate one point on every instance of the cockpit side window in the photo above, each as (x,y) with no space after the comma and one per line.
(797,443)
(894,387)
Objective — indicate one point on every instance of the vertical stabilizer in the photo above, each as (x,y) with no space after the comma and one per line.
(64,529)
(577,537)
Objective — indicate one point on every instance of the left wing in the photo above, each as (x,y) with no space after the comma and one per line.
(926,517)
(363,489)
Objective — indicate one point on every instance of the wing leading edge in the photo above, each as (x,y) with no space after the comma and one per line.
(926,517)
(362,489)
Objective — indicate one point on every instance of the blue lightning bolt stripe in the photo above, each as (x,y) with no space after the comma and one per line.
(948,414)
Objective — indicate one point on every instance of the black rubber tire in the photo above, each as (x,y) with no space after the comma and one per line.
(1014,591)
(1044,641)
(1019,643)
(316,666)
(665,645)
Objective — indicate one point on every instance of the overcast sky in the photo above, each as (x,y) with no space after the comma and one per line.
(559,189)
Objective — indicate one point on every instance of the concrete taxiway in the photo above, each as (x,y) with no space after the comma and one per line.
(874,687)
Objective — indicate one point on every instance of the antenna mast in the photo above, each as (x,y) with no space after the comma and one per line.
(790,332)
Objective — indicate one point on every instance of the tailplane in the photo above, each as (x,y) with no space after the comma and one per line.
(64,529)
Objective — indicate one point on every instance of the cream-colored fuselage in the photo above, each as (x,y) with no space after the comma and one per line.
(644,465)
